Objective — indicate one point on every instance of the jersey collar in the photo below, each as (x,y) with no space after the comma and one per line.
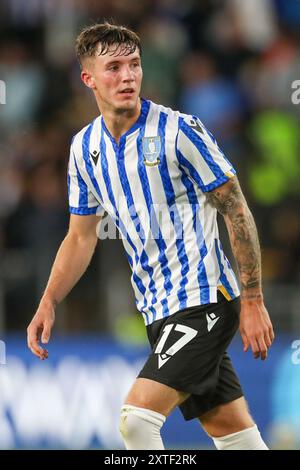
(145,105)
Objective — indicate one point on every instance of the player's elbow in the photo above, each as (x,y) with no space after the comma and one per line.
(86,242)
(238,212)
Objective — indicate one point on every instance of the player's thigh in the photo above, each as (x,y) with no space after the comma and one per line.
(152,395)
(227,418)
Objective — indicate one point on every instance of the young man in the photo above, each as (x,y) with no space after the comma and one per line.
(140,161)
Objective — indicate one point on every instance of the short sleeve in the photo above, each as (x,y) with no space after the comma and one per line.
(81,200)
(200,156)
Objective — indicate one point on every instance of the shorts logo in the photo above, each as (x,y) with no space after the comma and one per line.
(188,335)
(211,320)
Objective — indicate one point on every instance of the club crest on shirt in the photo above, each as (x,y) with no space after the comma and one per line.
(151,150)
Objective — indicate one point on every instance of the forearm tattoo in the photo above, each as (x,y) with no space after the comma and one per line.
(230,202)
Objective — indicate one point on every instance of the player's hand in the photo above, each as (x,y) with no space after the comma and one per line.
(256,328)
(40,327)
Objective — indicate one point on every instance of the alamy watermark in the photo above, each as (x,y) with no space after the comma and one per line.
(296,94)
(2,92)
(157,222)
(2,353)
(296,354)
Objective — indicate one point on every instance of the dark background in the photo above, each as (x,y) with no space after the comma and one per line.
(233,63)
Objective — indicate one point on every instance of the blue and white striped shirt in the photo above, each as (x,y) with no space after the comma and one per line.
(153,186)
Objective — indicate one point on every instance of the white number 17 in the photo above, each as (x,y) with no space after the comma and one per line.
(188,335)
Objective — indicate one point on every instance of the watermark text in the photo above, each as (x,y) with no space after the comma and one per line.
(2,353)
(157,222)
(296,354)
(296,93)
(2,92)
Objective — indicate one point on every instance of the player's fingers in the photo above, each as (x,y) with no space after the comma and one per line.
(271,333)
(255,347)
(46,332)
(39,352)
(245,341)
(32,337)
(268,340)
(32,341)
(36,349)
(263,350)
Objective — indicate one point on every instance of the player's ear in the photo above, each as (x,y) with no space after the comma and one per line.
(87,78)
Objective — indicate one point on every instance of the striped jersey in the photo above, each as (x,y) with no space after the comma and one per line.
(153,184)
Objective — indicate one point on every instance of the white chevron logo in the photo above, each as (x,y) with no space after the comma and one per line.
(188,335)
(211,320)
(162,359)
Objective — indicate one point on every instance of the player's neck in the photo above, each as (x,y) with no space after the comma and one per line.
(118,123)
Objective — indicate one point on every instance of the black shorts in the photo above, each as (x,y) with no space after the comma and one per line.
(189,355)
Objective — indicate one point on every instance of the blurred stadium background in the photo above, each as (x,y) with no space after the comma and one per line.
(234,64)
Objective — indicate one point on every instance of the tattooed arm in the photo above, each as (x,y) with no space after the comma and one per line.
(229,200)
(255,325)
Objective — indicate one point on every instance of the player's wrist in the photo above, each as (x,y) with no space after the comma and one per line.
(249,296)
(49,299)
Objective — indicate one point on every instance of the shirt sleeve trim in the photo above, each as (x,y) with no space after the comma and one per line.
(84,210)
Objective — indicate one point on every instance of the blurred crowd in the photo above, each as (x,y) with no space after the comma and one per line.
(231,62)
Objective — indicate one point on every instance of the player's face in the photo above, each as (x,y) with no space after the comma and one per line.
(115,79)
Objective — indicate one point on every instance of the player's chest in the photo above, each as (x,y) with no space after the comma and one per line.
(142,168)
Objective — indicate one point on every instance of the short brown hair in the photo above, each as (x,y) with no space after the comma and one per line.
(106,34)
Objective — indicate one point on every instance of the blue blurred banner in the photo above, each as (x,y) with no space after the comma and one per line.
(72,400)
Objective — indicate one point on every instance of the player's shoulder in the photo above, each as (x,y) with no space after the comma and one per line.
(192,127)
(157,109)
(190,120)
(78,139)
(176,117)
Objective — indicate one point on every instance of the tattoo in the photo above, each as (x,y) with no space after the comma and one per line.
(230,202)
(249,296)
(224,202)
